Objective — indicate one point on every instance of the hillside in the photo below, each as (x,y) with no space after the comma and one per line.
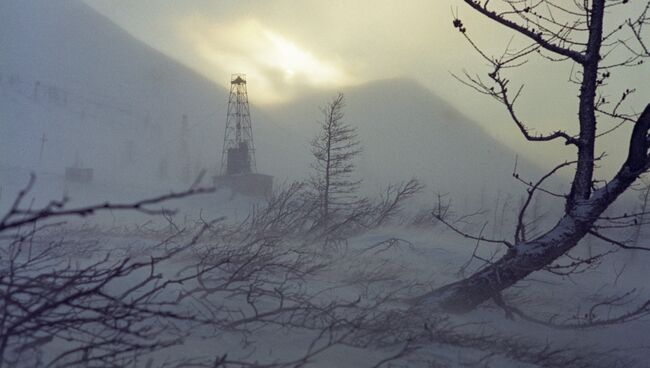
(406,130)
(101,98)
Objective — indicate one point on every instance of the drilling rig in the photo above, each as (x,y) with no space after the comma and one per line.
(238,168)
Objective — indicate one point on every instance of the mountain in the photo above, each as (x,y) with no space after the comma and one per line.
(82,91)
(98,97)
(406,130)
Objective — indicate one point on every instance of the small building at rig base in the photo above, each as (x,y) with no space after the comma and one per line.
(238,169)
(78,173)
(251,184)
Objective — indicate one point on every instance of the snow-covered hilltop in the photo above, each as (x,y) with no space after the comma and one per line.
(88,92)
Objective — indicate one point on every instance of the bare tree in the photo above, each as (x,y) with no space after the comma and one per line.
(391,201)
(641,220)
(334,148)
(101,311)
(587,34)
(213,280)
(64,305)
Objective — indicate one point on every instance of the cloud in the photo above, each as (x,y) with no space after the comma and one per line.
(277,64)
(340,42)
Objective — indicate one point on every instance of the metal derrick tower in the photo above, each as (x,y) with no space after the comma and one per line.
(238,156)
(238,172)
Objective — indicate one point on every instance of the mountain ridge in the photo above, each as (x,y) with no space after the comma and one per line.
(406,129)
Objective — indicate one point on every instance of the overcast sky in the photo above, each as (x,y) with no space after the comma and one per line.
(287,46)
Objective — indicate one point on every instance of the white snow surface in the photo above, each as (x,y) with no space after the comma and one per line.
(106,101)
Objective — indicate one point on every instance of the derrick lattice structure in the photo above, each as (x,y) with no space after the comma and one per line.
(238,156)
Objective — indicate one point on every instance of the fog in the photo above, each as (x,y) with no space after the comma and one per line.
(365,41)
(138,93)
(104,100)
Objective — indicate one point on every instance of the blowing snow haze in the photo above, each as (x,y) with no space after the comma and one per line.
(89,93)
(380,208)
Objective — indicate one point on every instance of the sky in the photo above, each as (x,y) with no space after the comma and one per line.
(289,47)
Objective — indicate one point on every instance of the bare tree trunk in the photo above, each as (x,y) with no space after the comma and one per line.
(328,173)
(529,256)
(640,222)
(584,204)
(334,149)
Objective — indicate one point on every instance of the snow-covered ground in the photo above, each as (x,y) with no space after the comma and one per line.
(75,90)
(371,279)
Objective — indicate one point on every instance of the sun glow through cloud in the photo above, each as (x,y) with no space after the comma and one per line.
(277,65)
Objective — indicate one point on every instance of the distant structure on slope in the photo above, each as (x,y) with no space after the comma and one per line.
(78,173)
(238,156)
(238,169)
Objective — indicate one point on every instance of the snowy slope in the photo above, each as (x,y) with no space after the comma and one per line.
(105,100)
(96,92)
(406,130)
